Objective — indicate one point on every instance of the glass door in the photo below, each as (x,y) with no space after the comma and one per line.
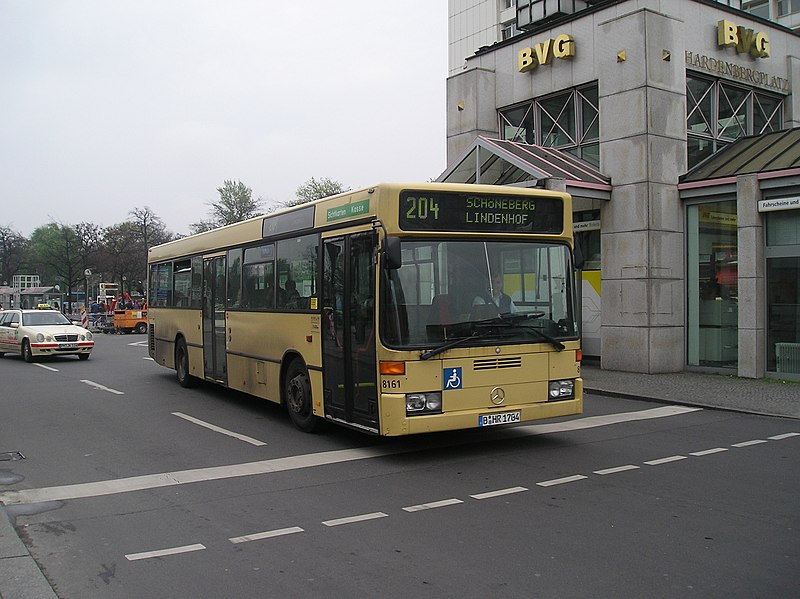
(214,319)
(349,365)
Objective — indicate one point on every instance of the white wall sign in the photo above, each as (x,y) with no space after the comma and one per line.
(779,204)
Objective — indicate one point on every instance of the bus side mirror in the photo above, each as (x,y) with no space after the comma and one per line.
(392,259)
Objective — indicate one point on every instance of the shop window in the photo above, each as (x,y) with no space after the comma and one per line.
(783,293)
(712,282)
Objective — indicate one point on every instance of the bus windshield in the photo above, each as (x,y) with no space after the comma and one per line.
(450,290)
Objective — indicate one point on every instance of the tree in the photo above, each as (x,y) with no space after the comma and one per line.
(13,253)
(315,189)
(149,230)
(235,204)
(56,252)
(122,251)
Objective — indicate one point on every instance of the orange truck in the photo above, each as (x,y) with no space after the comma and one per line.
(130,321)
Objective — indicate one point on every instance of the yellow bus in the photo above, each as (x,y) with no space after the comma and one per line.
(394,309)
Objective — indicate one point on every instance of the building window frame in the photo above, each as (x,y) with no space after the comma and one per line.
(718,112)
(568,120)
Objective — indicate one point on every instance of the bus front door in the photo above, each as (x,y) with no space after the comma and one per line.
(214,319)
(348,295)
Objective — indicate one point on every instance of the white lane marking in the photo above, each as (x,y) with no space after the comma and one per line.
(45,367)
(595,421)
(432,505)
(709,451)
(499,492)
(102,387)
(164,552)
(617,469)
(165,479)
(749,443)
(148,358)
(266,535)
(139,343)
(783,436)
(672,458)
(218,429)
(561,481)
(352,519)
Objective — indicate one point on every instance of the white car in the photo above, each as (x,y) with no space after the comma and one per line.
(33,333)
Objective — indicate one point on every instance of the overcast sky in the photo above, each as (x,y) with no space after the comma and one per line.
(109,105)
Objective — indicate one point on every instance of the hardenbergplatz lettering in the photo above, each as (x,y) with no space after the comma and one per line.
(722,67)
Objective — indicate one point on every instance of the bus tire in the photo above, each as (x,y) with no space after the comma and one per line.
(297,397)
(141,328)
(185,379)
(27,354)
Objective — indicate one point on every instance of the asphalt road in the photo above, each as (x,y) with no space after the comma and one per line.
(131,486)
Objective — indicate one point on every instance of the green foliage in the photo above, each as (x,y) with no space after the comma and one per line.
(235,204)
(316,189)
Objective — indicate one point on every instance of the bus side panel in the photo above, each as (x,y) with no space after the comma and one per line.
(168,325)
(257,343)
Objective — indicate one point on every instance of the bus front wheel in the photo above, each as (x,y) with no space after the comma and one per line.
(297,394)
(182,365)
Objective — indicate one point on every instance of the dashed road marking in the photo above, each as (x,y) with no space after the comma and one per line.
(280,532)
(561,481)
(353,519)
(672,458)
(499,493)
(432,505)
(749,443)
(102,387)
(164,552)
(783,436)
(616,470)
(45,367)
(218,429)
(709,451)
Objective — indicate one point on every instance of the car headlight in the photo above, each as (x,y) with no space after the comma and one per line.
(423,403)
(86,337)
(561,390)
(39,337)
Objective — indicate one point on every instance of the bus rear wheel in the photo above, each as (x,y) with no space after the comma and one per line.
(297,396)
(182,365)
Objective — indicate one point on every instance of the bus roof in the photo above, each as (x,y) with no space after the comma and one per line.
(341,208)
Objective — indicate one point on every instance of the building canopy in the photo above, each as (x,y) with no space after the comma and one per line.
(503,162)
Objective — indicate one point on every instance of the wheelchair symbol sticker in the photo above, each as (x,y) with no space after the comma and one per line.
(451,378)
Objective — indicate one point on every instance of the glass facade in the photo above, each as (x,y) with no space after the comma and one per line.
(712,282)
(568,120)
(719,112)
(783,293)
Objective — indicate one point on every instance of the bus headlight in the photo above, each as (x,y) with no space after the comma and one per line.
(561,390)
(423,403)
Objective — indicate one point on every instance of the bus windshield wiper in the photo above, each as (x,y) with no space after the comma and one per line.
(518,320)
(444,347)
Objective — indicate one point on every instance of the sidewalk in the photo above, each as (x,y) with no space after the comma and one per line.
(756,396)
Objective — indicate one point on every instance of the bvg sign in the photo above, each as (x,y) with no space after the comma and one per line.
(543,52)
(745,40)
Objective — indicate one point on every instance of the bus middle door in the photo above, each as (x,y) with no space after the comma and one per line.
(214,347)
(349,366)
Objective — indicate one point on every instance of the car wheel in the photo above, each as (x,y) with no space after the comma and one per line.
(27,354)
(83,356)
(182,365)
(2,353)
(141,328)
(297,396)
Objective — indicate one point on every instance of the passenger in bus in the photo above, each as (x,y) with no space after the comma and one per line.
(290,295)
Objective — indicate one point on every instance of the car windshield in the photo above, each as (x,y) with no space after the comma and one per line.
(40,319)
(480,292)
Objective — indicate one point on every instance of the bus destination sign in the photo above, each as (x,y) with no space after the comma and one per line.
(452,211)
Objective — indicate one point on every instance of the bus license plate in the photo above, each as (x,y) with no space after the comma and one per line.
(501,418)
